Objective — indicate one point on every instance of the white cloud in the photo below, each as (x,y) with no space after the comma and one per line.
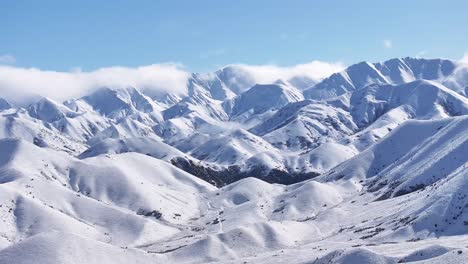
(22,84)
(387,43)
(315,70)
(7,59)
(421,54)
(19,84)
(464,59)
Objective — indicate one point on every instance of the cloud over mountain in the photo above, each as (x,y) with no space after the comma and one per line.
(464,59)
(314,70)
(21,84)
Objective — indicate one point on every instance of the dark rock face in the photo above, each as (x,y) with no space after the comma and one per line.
(233,174)
(154,213)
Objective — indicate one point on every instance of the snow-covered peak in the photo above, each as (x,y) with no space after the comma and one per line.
(217,88)
(261,98)
(458,80)
(354,77)
(236,78)
(49,111)
(425,99)
(394,71)
(303,82)
(117,103)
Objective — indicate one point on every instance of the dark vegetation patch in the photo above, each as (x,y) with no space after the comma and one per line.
(233,173)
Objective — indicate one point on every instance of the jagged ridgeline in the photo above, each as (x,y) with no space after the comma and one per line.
(226,127)
(368,165)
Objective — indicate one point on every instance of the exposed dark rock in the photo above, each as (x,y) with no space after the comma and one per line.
(233,173)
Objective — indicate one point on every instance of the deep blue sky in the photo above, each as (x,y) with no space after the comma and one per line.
(203,35)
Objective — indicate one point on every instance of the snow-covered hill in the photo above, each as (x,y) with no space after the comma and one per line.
(369,165)
(340,217)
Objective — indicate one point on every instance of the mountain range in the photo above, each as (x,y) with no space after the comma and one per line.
(368,165)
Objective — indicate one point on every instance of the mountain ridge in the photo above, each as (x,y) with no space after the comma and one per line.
(368,165)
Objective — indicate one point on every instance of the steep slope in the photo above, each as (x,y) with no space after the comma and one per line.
(49,111)
(125,128)
(359,118)
(426,99)
(4,104)
(239,78)
(458,80)
(305,125)
(198,101)
(422,149)
(117,103)
(229,149)
(196,112)
(261,98)
(271,114)
(80,125)
(219,90)
(395,71)
(236,78)
(18,124)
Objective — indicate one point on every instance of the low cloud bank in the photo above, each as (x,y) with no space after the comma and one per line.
(21,85)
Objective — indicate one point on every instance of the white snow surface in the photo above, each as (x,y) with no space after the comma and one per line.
(93,179)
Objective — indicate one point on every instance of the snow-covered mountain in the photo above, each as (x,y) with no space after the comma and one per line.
(368,165)
(395,71)
(261,98)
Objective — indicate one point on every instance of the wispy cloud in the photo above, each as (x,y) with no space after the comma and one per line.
(270,73)
(7,59)
(421,54)
(464,59)
(387,43)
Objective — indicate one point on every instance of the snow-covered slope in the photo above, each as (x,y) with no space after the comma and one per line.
(426,99)
(262,98)
(375,98)
(418,146)
(334,218)
(305,125)
(143,145)
(358,118)
(18,124)
(44,190)
(119,103)
(4,104)
(370,168)
(395,71)
(79,124)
